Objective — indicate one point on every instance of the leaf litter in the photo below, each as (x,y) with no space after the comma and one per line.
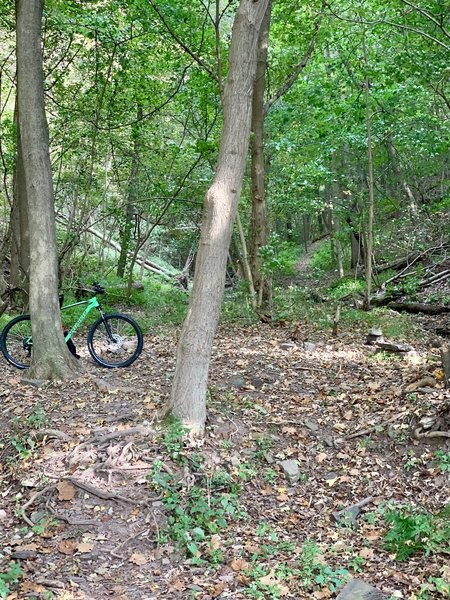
(96,527)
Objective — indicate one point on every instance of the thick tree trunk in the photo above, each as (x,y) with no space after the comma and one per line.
(188,395)
(51,358)
(259,230)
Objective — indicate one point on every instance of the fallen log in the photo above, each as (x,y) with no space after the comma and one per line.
(418,307)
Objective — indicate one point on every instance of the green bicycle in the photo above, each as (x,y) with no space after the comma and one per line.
(113,340)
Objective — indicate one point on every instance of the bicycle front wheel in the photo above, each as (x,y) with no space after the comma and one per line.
(16,342)
(115,341)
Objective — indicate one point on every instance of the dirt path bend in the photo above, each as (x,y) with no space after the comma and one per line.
(305,259)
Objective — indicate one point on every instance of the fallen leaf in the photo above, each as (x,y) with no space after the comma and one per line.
(138,559)
(67,547)
(215,542)
(66,491)
(244,579)
(218,589)
(289,430)
(321,457)
(30,587)
(366,553)
(321,594)
(178,586)
(85,547)
(239,564)
(270,580)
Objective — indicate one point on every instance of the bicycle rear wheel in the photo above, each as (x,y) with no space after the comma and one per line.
(16,342)
(115,341)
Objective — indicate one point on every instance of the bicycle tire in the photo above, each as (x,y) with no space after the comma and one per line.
(16,343)
(123,349)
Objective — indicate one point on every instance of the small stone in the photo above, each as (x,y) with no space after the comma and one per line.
(309,346)
(291,470)
(328,441)
(269,457)
(237,382)
(235,461)
(312,425)
(38,515)
(287,345)
(348,516)
(3,515)
(257,383)
(357,589)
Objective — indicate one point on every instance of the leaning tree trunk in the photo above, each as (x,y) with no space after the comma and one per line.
(259,233)
(188,395)
(51,358)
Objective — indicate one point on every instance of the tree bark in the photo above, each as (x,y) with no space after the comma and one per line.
(370,183)
(188,395)
(259,230)
(335,227)
(125,236)
(20,238)
(401,179)
(51,358)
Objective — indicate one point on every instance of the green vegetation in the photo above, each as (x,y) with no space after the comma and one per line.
(196,512)
(20,438)
(10,576)
(443,460)
(413,531)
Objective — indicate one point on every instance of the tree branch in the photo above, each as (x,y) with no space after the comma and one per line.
(393,24)
(428,16)
(182,45)
(301,65)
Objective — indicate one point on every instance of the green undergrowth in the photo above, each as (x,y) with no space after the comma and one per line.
(11,575)
(207,523)
(294,304)
(415,531)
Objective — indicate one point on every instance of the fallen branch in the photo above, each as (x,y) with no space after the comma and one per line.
(93,491)
(434,278)
(122,545)
(417,307)
(90,489)
(32,500)
(41,434)
(375,427)
(68,520)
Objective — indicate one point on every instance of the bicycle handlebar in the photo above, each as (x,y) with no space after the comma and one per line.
(99,289)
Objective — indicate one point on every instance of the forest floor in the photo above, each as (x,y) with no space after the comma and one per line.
(98,501)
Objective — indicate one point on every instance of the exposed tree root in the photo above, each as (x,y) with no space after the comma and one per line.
(420,434)
(374,427)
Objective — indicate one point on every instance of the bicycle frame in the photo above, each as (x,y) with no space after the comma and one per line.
(91,303)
